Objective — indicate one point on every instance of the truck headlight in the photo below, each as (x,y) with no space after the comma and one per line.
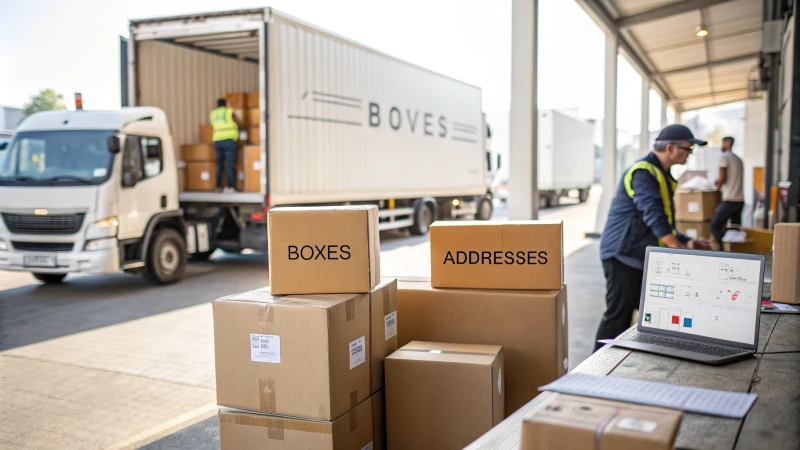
(3,246)
(102,229)
(100,244)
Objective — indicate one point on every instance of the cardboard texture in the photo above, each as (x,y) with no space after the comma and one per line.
(182,179)
(696,206)
(323,249)
(758,242)
(786,264)
(250,169)
(568,422)
(253,100)
(694,229)
(530,325)
(201,176)
(383,328)
(252,117)
(304,356)
(236,100)
(198,153)
(497,255)
(242,430)
(206,134)
(254,135)
(379,420)
(442,396)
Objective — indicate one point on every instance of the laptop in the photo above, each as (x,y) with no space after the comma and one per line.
(701,306)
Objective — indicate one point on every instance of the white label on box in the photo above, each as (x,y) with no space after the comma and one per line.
(500,381)
(644,426)
(256,165)
(205,176)
(368,446)
(693,206)
(390,325)
(692,233)
(358,352)
(265,348)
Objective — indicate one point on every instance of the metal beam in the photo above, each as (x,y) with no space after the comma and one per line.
(666,11)
(794,131)
(644,126)
(710,64)
(708,95)
(610,170)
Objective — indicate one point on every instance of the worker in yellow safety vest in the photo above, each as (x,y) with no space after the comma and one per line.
(226,133)
(642,214)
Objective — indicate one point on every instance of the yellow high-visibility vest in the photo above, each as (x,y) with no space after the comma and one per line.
(662,184)
(223,124)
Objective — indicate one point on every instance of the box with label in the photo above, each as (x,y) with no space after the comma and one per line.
(252,117)
(694,229)
(323,249)
(242,430)
(383,328)
(206,134)
(442,396)
(302,355)
(236,100)
(757,241)
(201,176)
(497,255)
(530,325)
(572,422)
(696,206)
(250,158)
(198,153)
(786,264)
(253,99)
(254,135)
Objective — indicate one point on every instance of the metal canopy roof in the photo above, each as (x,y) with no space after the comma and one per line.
(660,37)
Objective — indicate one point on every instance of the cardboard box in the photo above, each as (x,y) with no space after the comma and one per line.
(198,153)
(571,422)
(236,100)
(303,356)
(786,264)
(379,420)
(182,178)
(241,115)
(696,206)
(242,430)
(324,249)
(442,396)
(201,176)
(206,134)
(383,328)
(254,135)
(250,157)
(757,242)
(253,99)
(694,229)
(530,325)
(252,117)
(497,255)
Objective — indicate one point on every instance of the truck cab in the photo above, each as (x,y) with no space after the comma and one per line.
(92,192)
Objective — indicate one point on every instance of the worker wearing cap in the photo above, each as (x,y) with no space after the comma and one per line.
(642,214)
(226,134)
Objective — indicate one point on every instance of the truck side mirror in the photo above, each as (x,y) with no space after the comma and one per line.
(113,143)
(128,179)
(498,162)
(3,145)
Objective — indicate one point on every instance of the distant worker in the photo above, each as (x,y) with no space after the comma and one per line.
(642,214)
(730,182)
(226,133)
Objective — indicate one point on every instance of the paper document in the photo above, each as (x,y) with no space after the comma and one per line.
(697,400)
(779,308)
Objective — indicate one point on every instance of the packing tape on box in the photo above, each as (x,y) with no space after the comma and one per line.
(266,395)
(266,316)
(350,305)
(387,307)
(445,352)
(598,433)
(276,426)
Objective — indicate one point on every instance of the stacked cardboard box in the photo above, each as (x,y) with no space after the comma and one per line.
(301,363)
(694,211)
(786,264)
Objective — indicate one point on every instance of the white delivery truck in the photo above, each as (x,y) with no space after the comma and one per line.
(565,156)
(340,123)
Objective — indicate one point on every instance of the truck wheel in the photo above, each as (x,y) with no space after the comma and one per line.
(583,195)
(485,208)
(166,257)
(50,278)
(202,256)
(423,218)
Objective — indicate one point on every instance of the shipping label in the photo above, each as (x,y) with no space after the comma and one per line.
(265,348)
(358,352)
(390,325)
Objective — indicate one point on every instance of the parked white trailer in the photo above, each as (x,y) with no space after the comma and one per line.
(566,156)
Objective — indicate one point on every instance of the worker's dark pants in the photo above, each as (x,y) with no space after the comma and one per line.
(623,289)
(226,157)
(724,212)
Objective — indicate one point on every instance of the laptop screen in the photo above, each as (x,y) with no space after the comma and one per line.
(702,294)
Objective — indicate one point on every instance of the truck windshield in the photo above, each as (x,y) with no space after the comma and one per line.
(76,157)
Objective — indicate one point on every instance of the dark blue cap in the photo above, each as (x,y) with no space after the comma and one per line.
(678,132)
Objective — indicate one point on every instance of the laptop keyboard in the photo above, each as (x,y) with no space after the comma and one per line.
(689,346)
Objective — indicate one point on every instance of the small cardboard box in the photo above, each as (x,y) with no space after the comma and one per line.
(696,206)
(694,229)
(442,396)
(236,100)
(252,117)
(254,135)
(757,242)
(201,176)
(250,157)
(786,264)
(571,422)
(242,430)
(497,255)
(253,99)
(206,134)
(303,356)
(198,153)
(323,249)
(530,325)
(383,328)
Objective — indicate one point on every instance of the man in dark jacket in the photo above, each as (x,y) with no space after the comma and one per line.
(642,214)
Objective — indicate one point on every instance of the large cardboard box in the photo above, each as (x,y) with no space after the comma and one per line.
(252,117)
(201,176)
(242,430)
(324,249)
(696,206)
(383,328)
(236,100)
(694,229)
(575,423)
(442,396)
(198,153)
(253,99)
(250,169)
(206,134)
(305,356)
(497,255)
(786,264)
(530,325)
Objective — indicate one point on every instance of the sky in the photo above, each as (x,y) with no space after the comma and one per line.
(75,46)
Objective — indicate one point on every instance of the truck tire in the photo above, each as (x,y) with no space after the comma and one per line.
(166,258)
(424,216)
(50,278)
(202,256)
(485,209)
(583,195)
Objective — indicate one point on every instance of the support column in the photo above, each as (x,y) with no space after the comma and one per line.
(664,112)
(523,193)
(644,136)
(609,175)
